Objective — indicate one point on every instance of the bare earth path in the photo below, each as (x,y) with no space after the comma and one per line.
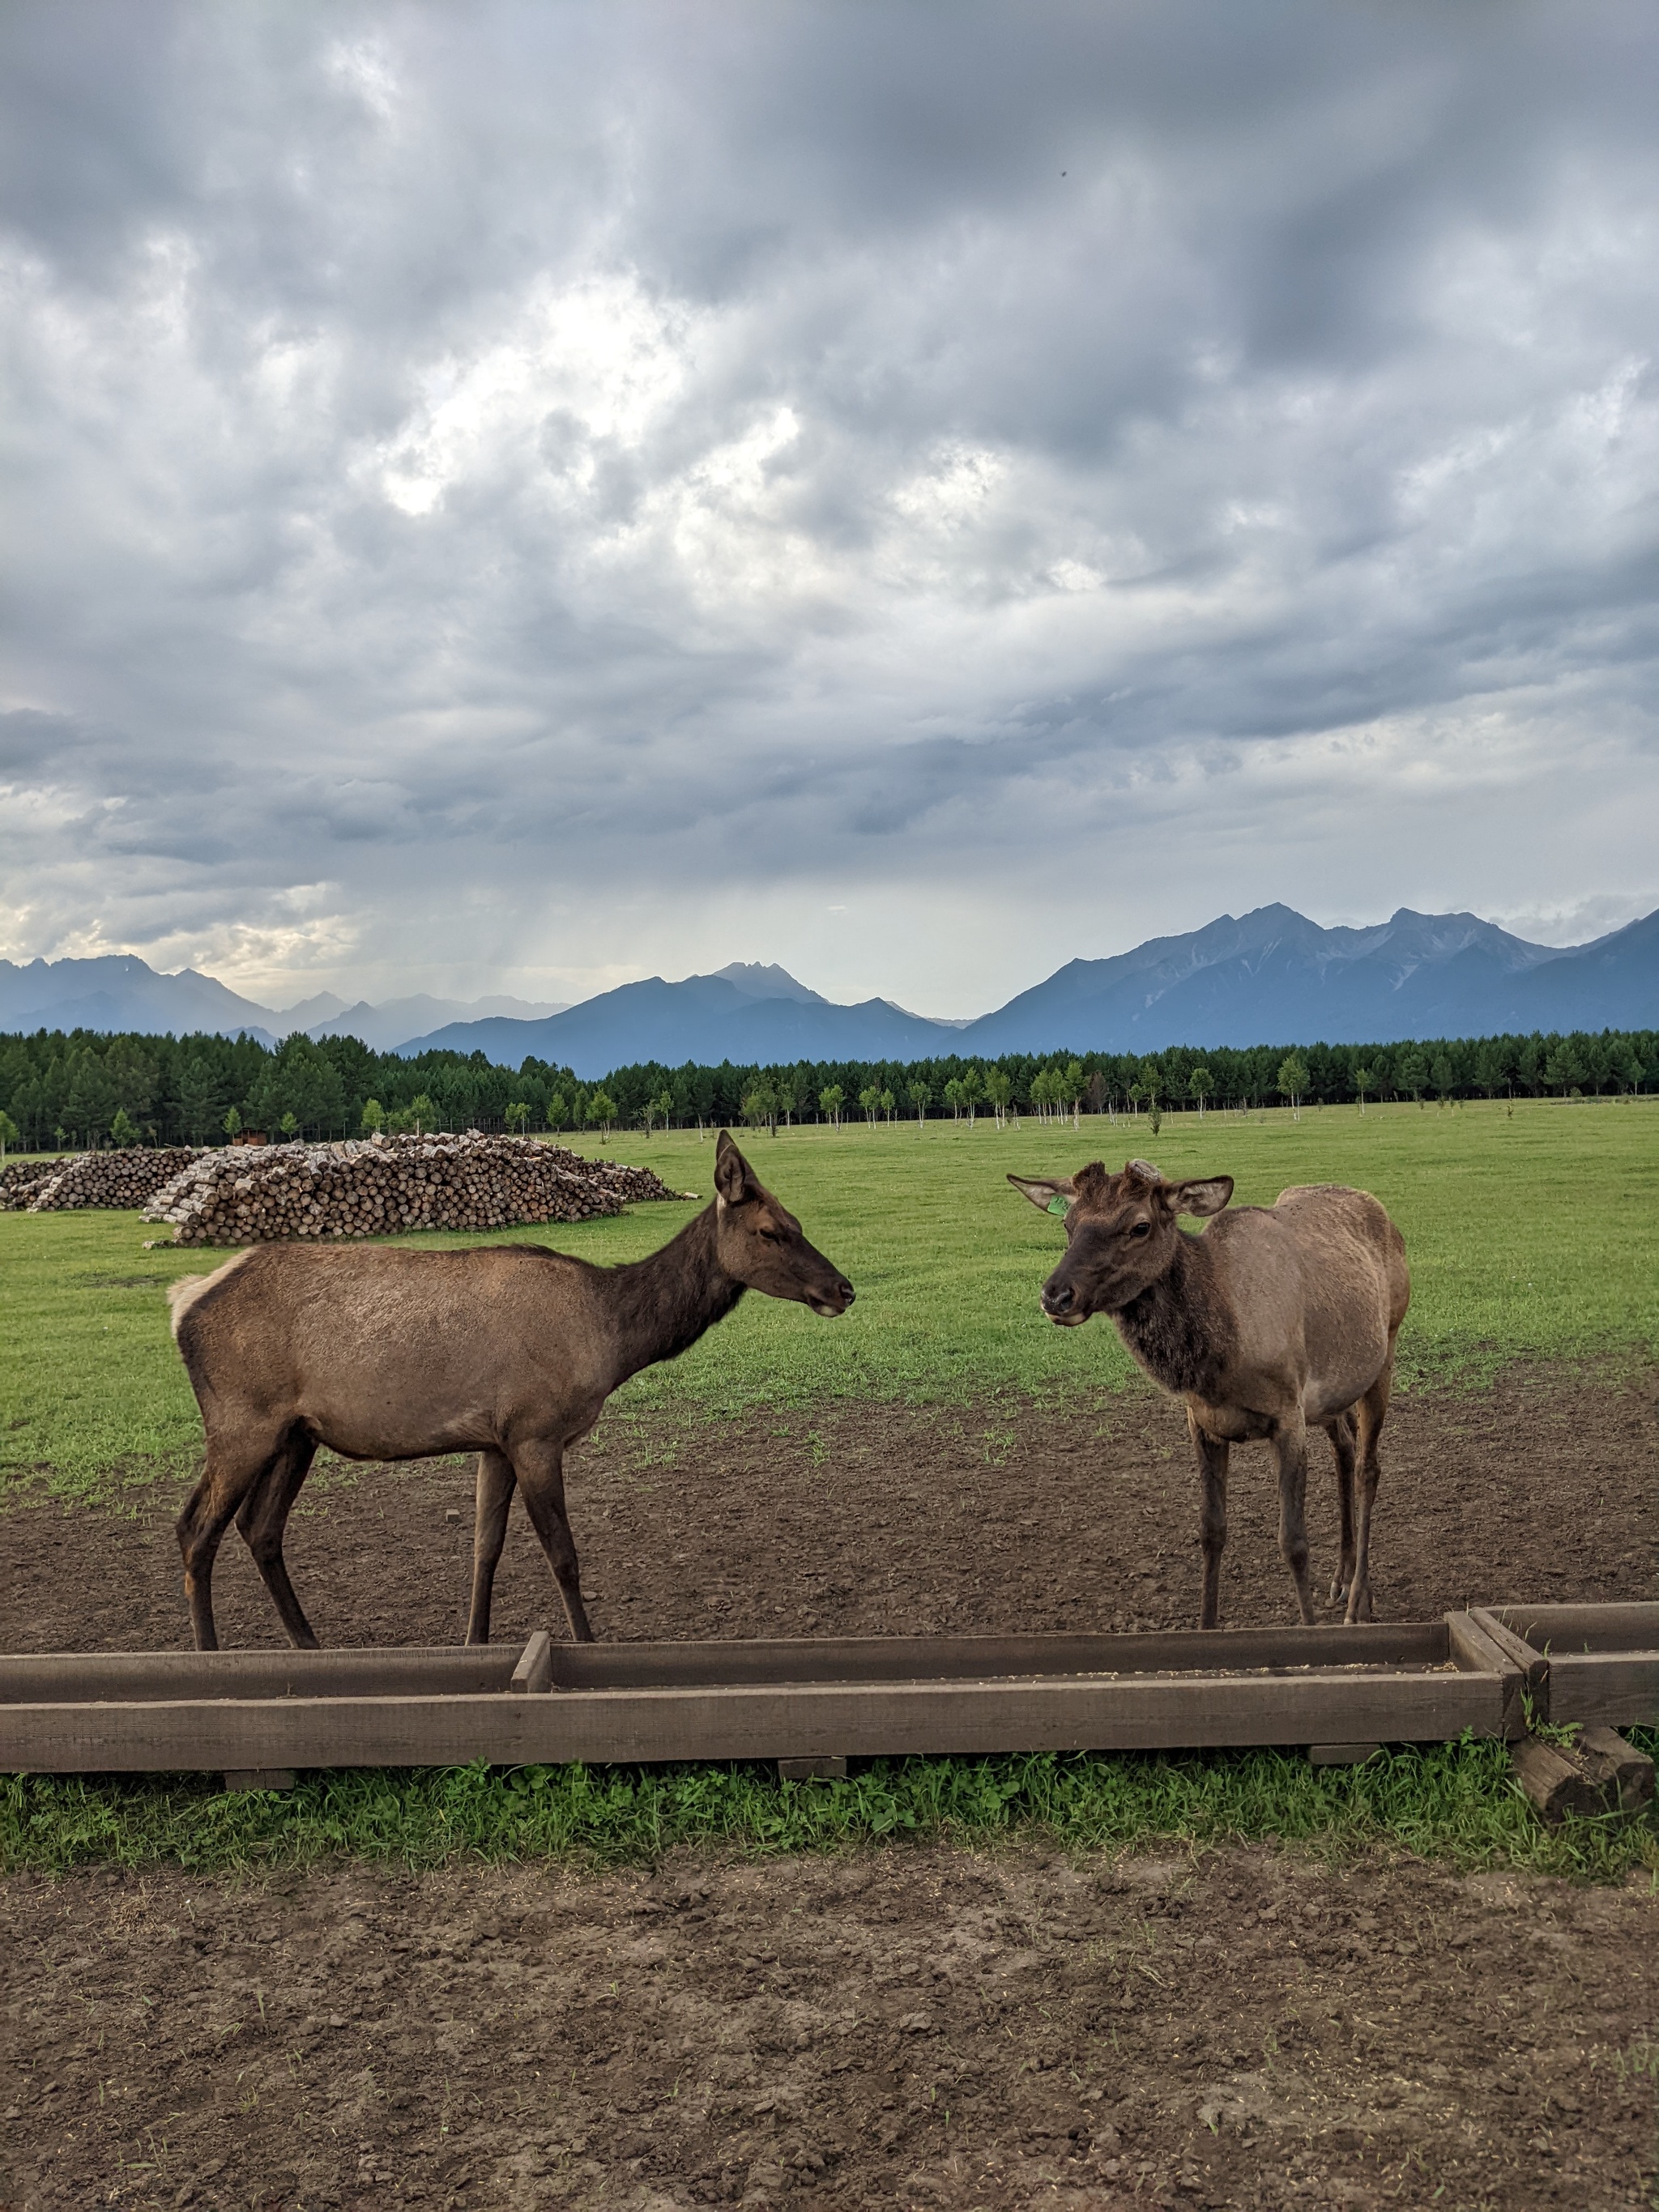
(920,2028)
(879,1519)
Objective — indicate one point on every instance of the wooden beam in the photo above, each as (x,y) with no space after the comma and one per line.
(790,1720)
(1618,1689)
(982,1658)
(534,1671)
(1625,1627)
(1475,1652)
(1617,1766)
(1555,1783)
(51,1677)
(1534,1665)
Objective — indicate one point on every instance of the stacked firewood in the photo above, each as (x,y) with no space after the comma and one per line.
(129,1177)
(630,1184)
(252,1194)
(20,1179)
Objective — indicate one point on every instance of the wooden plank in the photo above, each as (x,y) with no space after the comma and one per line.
(37,1678)
(1475,1652)
(1534,1666)
(534,1671)
(49,1677)
(982,1658)
(792,1720)
(1625,1627)
(1620,1689)
(1341,1754)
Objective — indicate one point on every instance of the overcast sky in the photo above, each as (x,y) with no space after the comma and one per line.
(520,497)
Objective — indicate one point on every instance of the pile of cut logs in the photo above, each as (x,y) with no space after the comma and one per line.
(131,1176)
(252,1194)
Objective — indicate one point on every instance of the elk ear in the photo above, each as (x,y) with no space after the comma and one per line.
(1203,1194)
(1047,1197)
(733,1180)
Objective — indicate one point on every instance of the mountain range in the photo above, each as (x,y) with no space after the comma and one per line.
(117,991)
(1271,976)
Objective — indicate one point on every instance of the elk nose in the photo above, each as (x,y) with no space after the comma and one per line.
(1058,1298)
(847,1293)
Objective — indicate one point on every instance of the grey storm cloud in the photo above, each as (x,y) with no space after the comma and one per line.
(540,494)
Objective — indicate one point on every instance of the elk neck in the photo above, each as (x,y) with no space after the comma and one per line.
(659,1307)
(1179,1328)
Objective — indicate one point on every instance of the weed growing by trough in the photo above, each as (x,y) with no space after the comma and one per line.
(1529,1237)
(1457,1802)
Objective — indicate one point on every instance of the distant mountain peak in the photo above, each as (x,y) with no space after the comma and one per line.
(758,979)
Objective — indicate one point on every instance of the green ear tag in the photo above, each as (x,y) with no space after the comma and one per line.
(1060,1205)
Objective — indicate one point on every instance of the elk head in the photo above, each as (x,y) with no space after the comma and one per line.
(759,1242)
(1120,1233)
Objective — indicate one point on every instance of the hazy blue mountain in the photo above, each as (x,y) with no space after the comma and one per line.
(1273,975)
(321,1006)
(1613,984)
(386,1027)
(119,991)
(757,979)
(706,1017)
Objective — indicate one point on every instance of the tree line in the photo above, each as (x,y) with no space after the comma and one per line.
(83,1088)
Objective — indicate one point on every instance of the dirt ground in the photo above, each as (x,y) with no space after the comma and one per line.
(888,1520)
(914,2028)
(909,2028)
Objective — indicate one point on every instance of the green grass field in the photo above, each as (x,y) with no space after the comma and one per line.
(1530,1236)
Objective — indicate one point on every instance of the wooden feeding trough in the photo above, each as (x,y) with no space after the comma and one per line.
(1597,1664)
(810,1703)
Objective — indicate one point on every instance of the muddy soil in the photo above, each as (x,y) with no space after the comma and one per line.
(917,2027)
(889,1519)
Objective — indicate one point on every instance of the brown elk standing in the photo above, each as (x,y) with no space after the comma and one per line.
(1272,1320)
(509,1350)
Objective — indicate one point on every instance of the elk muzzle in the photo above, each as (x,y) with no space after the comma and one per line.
(1059,1302)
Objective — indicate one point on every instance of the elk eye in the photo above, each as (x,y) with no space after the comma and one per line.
(1141,1229)
(771,1237)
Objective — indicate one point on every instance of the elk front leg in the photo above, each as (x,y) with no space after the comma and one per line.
(1290,1447)
(494,1501)
(1341,1434)
(540,1470)
(1212,1455)
(1371,1409)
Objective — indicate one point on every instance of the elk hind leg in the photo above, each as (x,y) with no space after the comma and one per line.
(1341,1433)
(235,1468)
(1371,1410)
(540,1470)
(494,1501)
(263,1521)
(1212,1455)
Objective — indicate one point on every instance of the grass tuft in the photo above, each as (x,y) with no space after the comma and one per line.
(1456,1803)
